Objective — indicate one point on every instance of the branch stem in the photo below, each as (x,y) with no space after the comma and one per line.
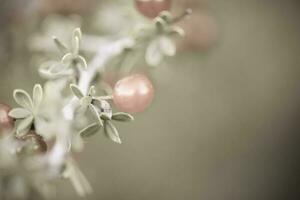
(62,146)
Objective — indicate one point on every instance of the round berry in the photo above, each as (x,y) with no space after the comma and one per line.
(152,8)
(133,93)
(6,122)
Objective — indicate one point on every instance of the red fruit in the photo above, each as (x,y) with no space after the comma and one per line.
(152,8)
(133,93)
(6,122)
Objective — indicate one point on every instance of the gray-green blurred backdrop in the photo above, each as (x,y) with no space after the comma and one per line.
(224,124)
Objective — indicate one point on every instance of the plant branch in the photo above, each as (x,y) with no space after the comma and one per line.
(62,145)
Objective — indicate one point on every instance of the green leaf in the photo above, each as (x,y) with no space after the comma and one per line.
(90,130)
(176,30)
(96,114)
(153,54)
(104,116)
(23,99)
(81,61)
(111,132)
(61,46)
(122,117)
(92,91)
(86,100)
(167,46)
(24,126)
(78,180)
(166,16)
(37,95)
(77,33)
(19,113)
(67,58)
(81,109)
(75,45)
(76,91)
(160,24)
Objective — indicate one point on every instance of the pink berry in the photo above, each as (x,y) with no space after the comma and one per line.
(152,8)
(6,122)
(133,93)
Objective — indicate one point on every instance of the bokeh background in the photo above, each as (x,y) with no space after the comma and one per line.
(225,121)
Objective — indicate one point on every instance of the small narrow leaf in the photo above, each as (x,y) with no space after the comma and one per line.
(90,130)
(19,113)
(167,46)
(37,95)
(61,46)
(122,117)
(86,100)
(24,125)
(153,54)
(160,24)
(23,99)
(76,91)
(176,30)
(166,15)
(87,188)
(92,91)
(111,132)
(81,61)
(96,114)
(75,45)
(104,116)
(81,109)
(77,33)
(79,181)
(67,58)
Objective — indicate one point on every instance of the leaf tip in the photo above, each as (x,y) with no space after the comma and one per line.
(118,140)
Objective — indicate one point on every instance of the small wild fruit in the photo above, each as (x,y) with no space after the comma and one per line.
(133,93)
(152,8)
(6,122)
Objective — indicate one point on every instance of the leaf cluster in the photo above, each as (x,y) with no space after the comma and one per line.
(102,112)
(70,61)
(28,110)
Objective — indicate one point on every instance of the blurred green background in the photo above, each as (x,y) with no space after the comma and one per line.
(224,123)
